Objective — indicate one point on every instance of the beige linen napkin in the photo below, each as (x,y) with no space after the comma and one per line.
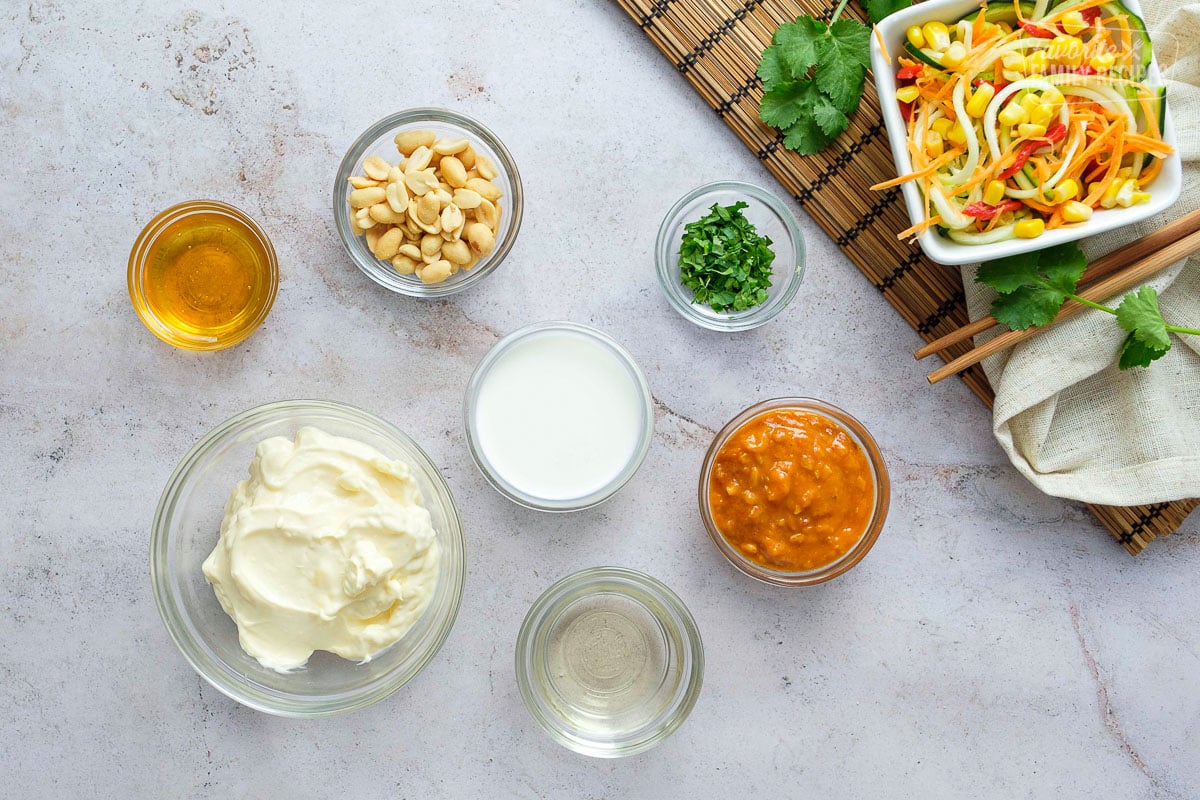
(1073,423)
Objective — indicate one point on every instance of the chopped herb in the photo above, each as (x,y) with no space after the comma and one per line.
(1033,287)
(724,261)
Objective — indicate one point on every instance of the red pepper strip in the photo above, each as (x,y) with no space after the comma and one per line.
(1090,15)
(906,110)
(986,211)
(1037,31)
(1084,70)
(909,72)
(1055,134)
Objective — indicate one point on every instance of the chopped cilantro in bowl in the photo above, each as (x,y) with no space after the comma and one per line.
(724,261)
(729,256)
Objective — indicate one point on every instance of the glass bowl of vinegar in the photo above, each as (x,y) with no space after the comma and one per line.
(202,275)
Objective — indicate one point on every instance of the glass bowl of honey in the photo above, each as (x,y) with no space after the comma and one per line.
(202,275)
(794,491)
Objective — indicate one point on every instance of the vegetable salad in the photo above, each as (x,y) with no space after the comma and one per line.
(1024,117)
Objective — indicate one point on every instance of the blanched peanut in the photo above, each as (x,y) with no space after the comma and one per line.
(420,183)
(436,272)
(452,217)
(487,170)
(376,168)
(466,198)
(365,198)
(395,174)
(372,236)
(388,245)
(487,213)
(410,250)
(408,141)
(362,218)
(397,196)
(431,244)
(456,252)
(479,237)
(453,172)
(467,157)
(359,182)
(448,147)
(404,265)
(484,188)
(382,212)
(418,161)
(427,208)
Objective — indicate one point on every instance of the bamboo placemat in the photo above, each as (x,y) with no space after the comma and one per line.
(716,44)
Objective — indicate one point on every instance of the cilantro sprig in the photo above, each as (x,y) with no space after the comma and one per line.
(724,261)
(813,75)
(1034,286)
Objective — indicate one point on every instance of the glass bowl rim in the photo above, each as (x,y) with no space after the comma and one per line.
(136,272)
(512,492)
(213,669)
(372,267)
(878,472)
(681,619)
(751,318)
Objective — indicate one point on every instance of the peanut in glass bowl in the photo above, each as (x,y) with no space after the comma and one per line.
(878,471)
(379,140)
(186,527)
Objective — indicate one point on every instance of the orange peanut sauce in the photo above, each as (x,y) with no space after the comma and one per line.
(791,490)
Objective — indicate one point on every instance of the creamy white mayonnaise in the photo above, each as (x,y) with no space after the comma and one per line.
(326,546)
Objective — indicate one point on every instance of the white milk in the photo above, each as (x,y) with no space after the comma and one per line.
(558,415)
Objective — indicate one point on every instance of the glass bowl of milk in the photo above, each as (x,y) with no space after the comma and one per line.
(558,416)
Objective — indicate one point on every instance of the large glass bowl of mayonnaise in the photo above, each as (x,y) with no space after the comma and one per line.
(186,528)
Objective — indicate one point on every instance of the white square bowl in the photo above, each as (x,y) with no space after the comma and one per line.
(1164,190)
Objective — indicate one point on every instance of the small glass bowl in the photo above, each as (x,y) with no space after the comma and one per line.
(770,217)
(609,662)
(379,140)
(879,477)
(510,488)
(141,275)
(186,527)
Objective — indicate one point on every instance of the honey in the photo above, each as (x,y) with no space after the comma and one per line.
(202,276)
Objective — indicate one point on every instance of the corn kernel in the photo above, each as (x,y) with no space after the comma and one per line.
(1067,50)
(1030,101)
(914,36)
(1030,130)
(980,99)
(994,192)
(937,35)
(1110,194)
(1013,60)
(1075,211)
(907,94)
(1053,97)
(1140,197)
(1067,190)
(1012,75)
(1013,114)
(941,125)
(933,143)
(1124,197)
(1103,62)
(1029,229)
(1091,187)
(956,135)
(1073,22)
(1042,115)
(955,55)
(1036,63)
(1125,172)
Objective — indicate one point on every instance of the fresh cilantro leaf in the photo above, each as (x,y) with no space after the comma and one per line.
(1063,266)
(1027,306)
(1009,273)
(1135,353)
(724,261)
(773,68)
(830,118)
(878,9)
(1139,314)
(811,110)
(784,103)
(799,43)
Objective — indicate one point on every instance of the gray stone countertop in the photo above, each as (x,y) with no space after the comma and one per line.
(995,643)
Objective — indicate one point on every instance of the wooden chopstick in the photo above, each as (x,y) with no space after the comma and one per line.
(1127,278)
(1099,269)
